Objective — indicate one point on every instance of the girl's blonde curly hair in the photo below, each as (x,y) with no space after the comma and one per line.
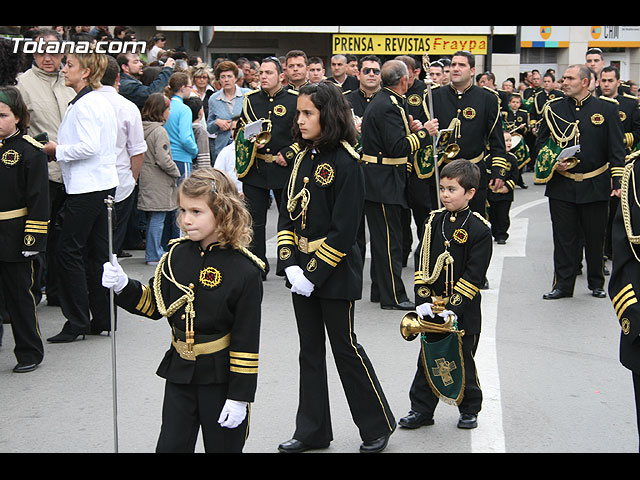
(229,209)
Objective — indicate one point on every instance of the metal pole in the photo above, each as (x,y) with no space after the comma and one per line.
(429,82)
(109,202)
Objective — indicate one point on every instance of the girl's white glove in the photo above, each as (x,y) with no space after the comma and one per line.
(113,276)
(233,413)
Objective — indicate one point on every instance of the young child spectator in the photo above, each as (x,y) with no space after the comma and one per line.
(199,131)
(157,184)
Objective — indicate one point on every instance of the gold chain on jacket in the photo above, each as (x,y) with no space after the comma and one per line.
(444,260)
(561,138)
(187,298)
(303,195)
(624,206)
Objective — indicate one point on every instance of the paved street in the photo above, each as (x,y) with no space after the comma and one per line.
(549,370)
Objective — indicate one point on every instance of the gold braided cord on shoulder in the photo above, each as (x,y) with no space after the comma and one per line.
(443,259)
(253,257)
(627,178)
(187,298)
(561,137)
(303,195)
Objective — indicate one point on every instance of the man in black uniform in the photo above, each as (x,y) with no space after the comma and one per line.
(474,114)
(579,198)
(389,138)
(630,118)
(271,167)
(625,273)
(370,81)
(339,74)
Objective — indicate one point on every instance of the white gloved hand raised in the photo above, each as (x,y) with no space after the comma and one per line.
(302,286)
(113,276)
(233,413)
(424,310)
(292,273)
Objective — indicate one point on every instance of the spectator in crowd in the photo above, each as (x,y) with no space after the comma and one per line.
(202,79)
(157,183)
(131,69)
(224,105)
(86,151)
(44,91)
(199,131)
(157,43)
(226,159)
(130,149)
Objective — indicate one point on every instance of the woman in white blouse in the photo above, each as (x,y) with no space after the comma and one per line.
(86,153)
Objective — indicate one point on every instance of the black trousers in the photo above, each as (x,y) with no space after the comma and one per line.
(258,203)
(421,199)
(385,237)
(316,319)
(424,401)
(16,280)
(568,220)
(186,409)
(57,196)
(499,218)
(83,249)
(636,390)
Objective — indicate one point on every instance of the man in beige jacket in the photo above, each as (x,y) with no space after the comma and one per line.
(43,90)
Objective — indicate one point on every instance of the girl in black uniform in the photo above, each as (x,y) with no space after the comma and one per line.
(24,222)
(319,256)
(209,287)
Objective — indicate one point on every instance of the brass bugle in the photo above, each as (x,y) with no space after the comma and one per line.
(412,325)
(264,136)
(452,151)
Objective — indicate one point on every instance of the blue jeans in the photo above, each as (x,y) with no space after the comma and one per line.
(155,227)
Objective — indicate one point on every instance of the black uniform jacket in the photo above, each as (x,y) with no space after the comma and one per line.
(509,184)
(280,109)
(478,109)
(513,120)
(359,101)
(325,247)
(24,198)
(630,117)
(540,99)
(227,288)
(386,141)
(471,247)
(624,283)
(601,141)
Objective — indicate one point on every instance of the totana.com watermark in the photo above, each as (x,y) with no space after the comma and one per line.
(42,47)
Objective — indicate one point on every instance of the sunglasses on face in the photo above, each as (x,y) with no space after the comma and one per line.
(368,70)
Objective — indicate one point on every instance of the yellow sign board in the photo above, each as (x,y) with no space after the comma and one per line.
(408,44)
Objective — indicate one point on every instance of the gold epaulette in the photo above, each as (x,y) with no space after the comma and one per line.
(253,257)
(33,141)
(627,95)
(484,220)
(612,100)
(495,92)
(178,240)
(350,149)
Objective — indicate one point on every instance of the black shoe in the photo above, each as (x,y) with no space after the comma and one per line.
(486,285)
(501,241)
(555,294)
(400,306)
(377,445)
(64,337)
(468,420)
(25,367)
(415,420)
(296,446)
(606,271)
(598,292)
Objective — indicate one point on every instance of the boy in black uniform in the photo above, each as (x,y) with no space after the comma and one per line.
(209,288)
(500,200)
(451,262)
(24,221)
